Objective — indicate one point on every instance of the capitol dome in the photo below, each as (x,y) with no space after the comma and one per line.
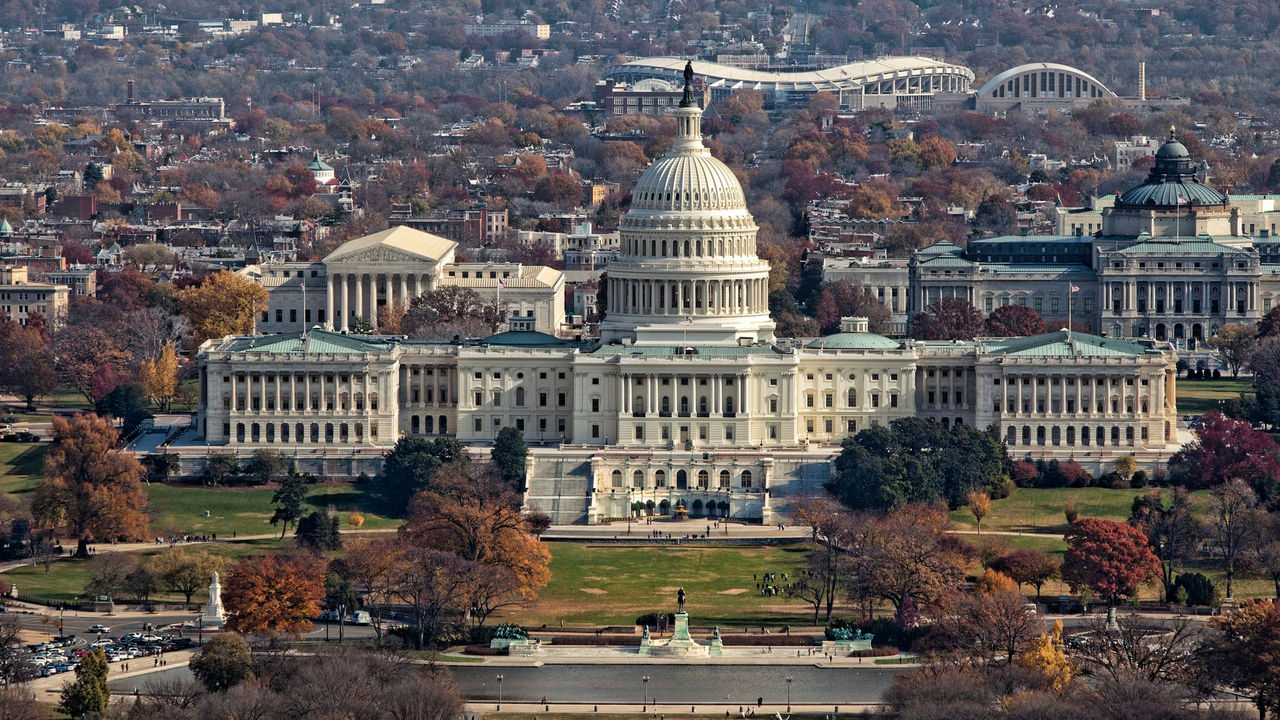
(688,272)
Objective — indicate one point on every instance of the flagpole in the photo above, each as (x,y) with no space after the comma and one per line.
(1069,288)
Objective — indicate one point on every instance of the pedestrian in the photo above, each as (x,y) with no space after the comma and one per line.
(759,701)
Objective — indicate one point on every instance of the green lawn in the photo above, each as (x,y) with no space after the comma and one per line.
(247,511)
(606,584)
(66,578)
(1200,396)
(20,465)
(1040,509)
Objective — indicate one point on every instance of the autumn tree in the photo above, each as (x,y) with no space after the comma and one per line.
(979,506)
(906,556)
(274,595)
(1014,321)
(947,319)
(89,358)
(89,693)
(1028,567)
(186,571)
(434,584)
(1243,653)
(448,312)
(1223,449)
(224,304)
(995,216)
(470,511)
(159,376)
(224,662)
(1109,558)
(1235,343)
(26,363)
(842,299)
(992,623)
(91,488)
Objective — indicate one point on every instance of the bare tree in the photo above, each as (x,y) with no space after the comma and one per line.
(1156,651)
(1235,519)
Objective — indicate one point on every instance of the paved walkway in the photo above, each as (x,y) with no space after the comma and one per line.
(767,711)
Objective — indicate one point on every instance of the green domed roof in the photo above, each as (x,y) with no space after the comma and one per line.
(526,338)
(854,341)
(1172,182)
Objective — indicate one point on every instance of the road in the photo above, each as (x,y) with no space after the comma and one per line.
(613,684)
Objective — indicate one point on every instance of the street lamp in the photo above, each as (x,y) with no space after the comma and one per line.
(789,694)
(646,693)
(499,693)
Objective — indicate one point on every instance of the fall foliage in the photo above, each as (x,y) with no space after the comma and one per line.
(224,304)
(1110,558)
(91,488)
(159,377)
(274,595)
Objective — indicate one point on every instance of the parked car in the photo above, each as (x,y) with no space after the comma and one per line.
(100,629)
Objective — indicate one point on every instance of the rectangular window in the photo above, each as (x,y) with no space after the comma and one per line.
(595,431)
(773,431)
(639,432)
(893,401)
(478,425)
(595,404)
(560,399)
(728,432)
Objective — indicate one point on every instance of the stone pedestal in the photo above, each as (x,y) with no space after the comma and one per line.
(214,617)
(681,643)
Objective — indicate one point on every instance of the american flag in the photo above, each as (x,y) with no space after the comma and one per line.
(1075,288)
(688,320)
(1182,199)
(502,283)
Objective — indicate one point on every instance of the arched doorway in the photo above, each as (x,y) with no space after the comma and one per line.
(682,480)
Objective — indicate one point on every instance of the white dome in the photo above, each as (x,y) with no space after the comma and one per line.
(688,272)
(688,180)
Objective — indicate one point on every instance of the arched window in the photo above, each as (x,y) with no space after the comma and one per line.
(615,479)
(852,398)
(704,480)
(746,479)
(239,432)
(426,424)
(444,424)
(256,432)
(682,480)
(373,401)
(497,398)
(1040,435)
(1026,434)
(660,478)
(684,406)
(725,480)
(637,479)
(665,405)
(1115,434)
(284,432)
(1071,436)
(414,425)
(343,433)
(519,397)
(1011,437)
(703,406)
(328,432)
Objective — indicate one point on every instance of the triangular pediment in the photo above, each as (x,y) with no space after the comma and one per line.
(397,244)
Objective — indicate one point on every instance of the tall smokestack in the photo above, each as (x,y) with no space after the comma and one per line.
(130,92)
(1142,81)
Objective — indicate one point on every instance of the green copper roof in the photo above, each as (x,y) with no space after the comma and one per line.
(946,261)
(941,248)
(1068,344)
(525,339)
(1179,246)
(1172,182)
(854,341)
(707,351)
(316,341)
(5,227)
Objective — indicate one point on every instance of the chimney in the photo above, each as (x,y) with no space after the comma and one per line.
(129,92)
(1142,81)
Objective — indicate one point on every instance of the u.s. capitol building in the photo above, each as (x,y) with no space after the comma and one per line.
(685,398)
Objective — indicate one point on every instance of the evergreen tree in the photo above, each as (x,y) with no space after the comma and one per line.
(509,454)
(288,501)
(319,531)
(89,693)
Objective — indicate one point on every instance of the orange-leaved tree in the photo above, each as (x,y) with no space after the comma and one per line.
(91,488)
(273,595)
(224,304)
(469,511)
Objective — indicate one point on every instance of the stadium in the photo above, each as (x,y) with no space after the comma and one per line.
(889,82)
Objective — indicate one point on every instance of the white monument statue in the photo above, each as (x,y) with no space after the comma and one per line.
(213,614)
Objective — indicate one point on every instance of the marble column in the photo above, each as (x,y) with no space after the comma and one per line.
(329,283)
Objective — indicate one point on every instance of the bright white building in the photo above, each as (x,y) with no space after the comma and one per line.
(685,401)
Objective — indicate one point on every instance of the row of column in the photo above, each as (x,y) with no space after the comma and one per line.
(717,393)
(688,297)
(1026,388)
(430,392)
(1128,296)
(717,248)
(316,392)
(349,293)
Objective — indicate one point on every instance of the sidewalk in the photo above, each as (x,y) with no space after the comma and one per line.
(52,685)
(766,711)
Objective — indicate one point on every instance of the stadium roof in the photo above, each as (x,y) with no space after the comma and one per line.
(841,77)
